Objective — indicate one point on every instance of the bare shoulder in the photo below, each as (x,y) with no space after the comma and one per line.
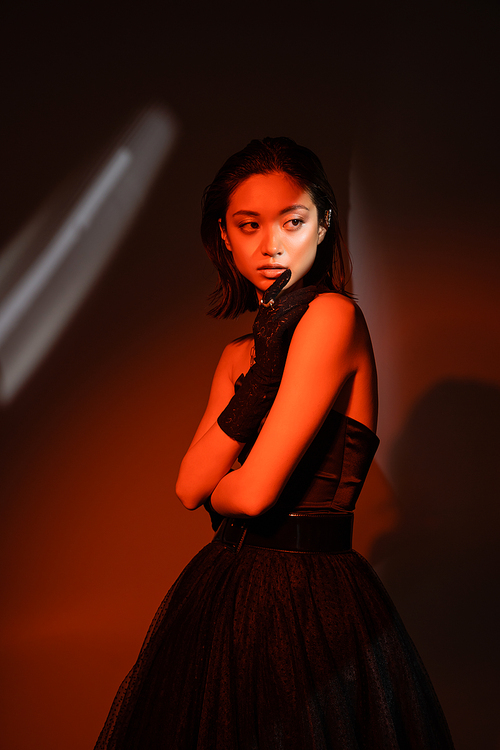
(231,365)
(332,311)
(334,303)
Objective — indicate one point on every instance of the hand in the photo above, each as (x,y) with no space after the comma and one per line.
(274,326)
(273,330)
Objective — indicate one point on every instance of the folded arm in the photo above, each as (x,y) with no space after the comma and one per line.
(211,453)
(324,354)
(326,349)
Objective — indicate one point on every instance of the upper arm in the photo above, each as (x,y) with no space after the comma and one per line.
(211,453)
(324,353)
(221,391)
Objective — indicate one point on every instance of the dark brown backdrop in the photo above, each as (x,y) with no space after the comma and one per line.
(398,101)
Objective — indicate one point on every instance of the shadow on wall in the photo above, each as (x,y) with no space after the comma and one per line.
(443,559)
(376,514)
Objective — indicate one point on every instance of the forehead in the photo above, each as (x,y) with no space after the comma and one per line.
(268,192)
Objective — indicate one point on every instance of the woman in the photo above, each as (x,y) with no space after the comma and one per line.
(278,635)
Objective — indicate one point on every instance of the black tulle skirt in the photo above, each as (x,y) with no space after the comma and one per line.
(267,650)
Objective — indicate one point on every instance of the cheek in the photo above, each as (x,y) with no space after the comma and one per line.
(241,249)
(240,257)
(306,249)
(309,255)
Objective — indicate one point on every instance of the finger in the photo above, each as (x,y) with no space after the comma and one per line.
(270,295)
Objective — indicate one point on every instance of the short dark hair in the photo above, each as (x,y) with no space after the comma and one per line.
(234,293)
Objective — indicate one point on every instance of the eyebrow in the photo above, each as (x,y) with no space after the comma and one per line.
(293,207)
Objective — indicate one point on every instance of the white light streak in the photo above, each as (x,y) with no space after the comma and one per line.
(19,300)
(45,273)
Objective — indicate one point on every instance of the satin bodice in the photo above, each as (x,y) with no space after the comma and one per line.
(331,473)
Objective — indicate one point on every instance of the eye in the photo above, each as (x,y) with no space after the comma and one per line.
(294,223)
(249,226)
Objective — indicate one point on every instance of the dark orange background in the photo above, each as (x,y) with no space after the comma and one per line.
(399,104)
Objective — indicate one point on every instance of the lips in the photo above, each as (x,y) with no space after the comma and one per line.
(271,272)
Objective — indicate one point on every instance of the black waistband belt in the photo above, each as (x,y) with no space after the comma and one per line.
(326,533)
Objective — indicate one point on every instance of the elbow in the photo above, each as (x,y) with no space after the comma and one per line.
(254,505)
(184,499)
(188,502)
(253,496)
(185,496)
(257,508)
(243,504)
(253,511)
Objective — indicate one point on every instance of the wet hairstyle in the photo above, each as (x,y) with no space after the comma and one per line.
(234,293)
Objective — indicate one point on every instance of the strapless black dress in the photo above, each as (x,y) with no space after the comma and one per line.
(259,649)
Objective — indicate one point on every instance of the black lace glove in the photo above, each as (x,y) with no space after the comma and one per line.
(273,329)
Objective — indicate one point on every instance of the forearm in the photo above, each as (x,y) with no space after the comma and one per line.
(233,496)
(321,359)
(209,459)
(250,490)
(204,465)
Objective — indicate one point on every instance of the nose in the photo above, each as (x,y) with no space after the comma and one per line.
(271,244)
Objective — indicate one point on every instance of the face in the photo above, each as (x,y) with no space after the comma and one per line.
(272,224)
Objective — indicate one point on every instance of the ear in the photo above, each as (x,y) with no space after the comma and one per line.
(322,230)
(224,236)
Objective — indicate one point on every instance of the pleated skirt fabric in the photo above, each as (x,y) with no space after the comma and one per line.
(268,650)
